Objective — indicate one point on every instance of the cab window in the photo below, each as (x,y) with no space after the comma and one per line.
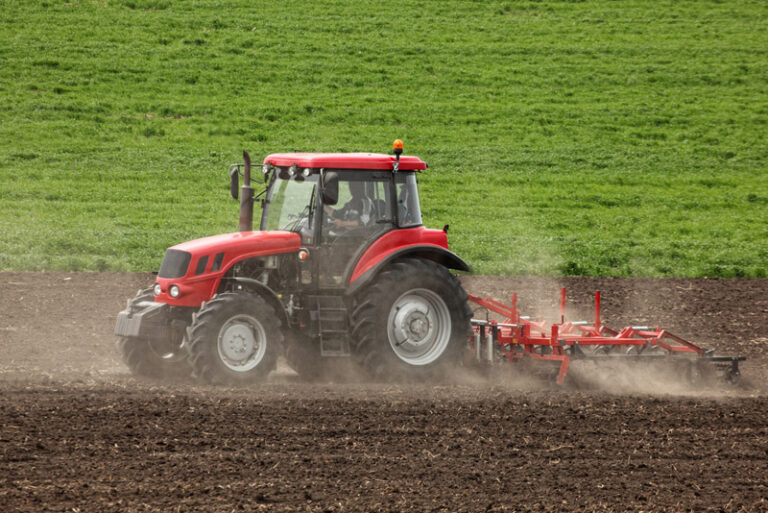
(408,209)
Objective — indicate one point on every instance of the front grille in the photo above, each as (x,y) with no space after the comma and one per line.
(175,264)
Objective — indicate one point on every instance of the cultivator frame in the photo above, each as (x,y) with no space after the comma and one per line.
(517,337)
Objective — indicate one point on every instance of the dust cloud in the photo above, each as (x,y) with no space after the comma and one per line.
(59,327)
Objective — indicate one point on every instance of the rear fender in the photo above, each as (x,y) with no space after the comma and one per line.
(435,253)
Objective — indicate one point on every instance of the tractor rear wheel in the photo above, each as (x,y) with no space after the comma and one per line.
(153,358)
(235,339)
(412,323)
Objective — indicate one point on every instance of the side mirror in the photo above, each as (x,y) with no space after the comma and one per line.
(330,194)
(234,185)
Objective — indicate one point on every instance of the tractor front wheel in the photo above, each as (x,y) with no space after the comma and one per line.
(235,339)
(153,357)
(412,323)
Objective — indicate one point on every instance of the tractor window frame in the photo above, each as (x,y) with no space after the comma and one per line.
(386,220)
(340,249)
(307,231)
(407,207)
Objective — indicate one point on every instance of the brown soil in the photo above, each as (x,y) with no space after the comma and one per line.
(78,433)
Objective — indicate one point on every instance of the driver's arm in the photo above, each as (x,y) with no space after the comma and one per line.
(340,223)
(346,224)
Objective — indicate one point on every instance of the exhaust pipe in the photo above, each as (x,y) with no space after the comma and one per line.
(246,197)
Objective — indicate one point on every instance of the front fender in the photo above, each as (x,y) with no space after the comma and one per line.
(269,295)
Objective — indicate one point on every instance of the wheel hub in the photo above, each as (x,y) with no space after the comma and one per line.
(242,343)
(237,345)
(412,323)
(419,327)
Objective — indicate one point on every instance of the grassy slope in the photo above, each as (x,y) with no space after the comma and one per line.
(601,138)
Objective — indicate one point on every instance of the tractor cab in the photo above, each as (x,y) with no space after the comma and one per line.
(337,206)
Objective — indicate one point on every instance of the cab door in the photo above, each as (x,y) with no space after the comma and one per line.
(361,215)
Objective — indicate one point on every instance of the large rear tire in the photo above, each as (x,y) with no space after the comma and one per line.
(153,358)
(235,339)
(412,323)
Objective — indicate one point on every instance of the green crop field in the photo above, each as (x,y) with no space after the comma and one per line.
(564,138)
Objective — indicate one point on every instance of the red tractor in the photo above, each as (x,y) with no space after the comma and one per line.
(341,267)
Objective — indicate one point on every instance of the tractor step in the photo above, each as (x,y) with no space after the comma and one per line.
(330,324)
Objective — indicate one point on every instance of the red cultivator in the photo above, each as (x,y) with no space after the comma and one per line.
(518,337)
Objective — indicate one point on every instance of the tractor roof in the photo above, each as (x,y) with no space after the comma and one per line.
(373,161)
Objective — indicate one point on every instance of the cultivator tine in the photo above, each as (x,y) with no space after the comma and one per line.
(597,311)
(562,305)
(489,345)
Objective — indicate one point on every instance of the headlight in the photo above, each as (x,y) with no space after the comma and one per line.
(157,289)
(174,291)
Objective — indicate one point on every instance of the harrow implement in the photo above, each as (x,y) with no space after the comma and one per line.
(517,337)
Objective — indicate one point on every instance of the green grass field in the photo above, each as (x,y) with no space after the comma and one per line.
(564,138)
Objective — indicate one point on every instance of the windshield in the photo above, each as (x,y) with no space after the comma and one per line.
(290,204)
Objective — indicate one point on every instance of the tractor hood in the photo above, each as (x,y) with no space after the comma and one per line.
(217,253)
(242,243)
(196,266)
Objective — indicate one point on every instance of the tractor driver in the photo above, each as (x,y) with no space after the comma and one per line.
(356,212)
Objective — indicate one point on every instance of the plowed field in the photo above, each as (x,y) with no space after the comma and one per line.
(78,433)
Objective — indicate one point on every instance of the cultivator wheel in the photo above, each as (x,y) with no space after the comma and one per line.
(153,358)
(412,322)
(732,375)
(603,350)
(235,339)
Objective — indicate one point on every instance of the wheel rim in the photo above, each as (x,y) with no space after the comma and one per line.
(419,327)
(242,343)
(166,353)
